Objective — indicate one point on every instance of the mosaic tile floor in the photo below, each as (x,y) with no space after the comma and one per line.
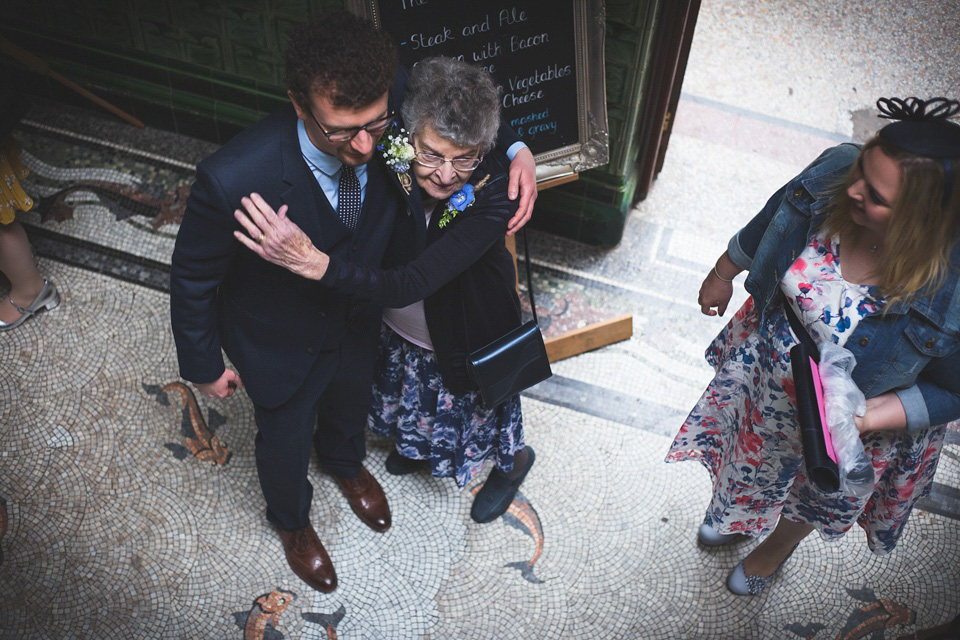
(131,509)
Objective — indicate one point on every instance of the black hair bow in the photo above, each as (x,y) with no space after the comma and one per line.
(916,109)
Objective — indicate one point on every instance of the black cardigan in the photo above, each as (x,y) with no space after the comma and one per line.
(465,277)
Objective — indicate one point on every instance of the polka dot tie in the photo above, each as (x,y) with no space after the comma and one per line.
(348,199)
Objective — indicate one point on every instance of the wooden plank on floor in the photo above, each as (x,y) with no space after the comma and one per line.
(590,337)
(553,182)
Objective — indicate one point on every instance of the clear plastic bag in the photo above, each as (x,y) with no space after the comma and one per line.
(843,400)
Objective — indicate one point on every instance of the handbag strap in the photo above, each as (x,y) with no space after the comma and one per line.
(529,266)
(800,331)
(533,305)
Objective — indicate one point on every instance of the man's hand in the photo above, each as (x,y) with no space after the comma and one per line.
(523,177)
(222,387)
(276,239)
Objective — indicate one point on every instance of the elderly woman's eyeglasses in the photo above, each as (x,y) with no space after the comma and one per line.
(374,127)
(460,164)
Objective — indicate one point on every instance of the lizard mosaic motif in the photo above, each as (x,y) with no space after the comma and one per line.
(59,190)
(521,515)
(329,621)
(199,439)
(869,620)
(261,622)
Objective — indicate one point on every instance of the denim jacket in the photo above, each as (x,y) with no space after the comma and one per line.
(913,350)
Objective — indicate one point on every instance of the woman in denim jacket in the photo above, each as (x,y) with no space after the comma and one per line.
(894,208)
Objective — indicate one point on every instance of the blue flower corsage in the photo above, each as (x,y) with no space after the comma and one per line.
(457,203)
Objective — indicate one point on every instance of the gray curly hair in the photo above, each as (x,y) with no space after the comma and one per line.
(460,101)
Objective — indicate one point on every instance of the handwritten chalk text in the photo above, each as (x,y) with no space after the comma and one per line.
(421,41)
(518,44)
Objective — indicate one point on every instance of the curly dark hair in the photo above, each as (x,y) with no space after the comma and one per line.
(340,56)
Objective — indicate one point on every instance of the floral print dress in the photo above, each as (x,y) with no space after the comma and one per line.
(453,431)
(744,428)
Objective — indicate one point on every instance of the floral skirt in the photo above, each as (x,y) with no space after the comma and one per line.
(744,430)
(429,422)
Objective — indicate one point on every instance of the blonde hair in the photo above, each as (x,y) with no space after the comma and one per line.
(923,229)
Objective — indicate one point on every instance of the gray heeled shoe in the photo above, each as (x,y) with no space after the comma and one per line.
(710,537)
(48,298)
(740,583)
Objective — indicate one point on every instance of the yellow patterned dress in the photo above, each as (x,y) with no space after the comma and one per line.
(12,196)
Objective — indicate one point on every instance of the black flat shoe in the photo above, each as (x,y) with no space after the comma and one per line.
(497,493)
(397,465)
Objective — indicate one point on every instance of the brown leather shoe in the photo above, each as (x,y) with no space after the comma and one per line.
(308,559)
(367,499)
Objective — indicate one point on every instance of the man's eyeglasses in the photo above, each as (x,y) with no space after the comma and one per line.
(374,127)
(460,164)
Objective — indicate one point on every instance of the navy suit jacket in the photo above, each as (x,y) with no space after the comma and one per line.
(272,324)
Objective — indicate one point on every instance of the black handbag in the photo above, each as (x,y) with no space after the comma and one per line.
(804,356)
(513,362)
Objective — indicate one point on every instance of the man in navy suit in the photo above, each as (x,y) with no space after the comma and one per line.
(305,354)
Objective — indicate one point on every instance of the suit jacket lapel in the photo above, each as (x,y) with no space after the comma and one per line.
(307,205)
(310,210)
(414,205)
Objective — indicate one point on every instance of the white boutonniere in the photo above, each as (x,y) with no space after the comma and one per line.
(398,153)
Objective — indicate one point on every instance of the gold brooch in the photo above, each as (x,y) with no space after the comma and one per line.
(406,182)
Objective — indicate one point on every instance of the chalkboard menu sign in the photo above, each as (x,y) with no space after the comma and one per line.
(546,55)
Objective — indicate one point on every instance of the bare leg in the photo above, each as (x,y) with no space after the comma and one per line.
(770,553)
(16,263)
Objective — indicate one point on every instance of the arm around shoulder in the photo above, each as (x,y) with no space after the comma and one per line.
(461,243)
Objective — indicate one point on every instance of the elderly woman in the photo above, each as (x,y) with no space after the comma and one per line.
(457,296)
(862,247)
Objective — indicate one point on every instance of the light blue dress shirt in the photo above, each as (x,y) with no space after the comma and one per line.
(514,148)
(326,168)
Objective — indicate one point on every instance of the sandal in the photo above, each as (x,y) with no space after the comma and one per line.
(48,298)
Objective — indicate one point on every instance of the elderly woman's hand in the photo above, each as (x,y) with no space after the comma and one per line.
(276,239)
(523,173)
